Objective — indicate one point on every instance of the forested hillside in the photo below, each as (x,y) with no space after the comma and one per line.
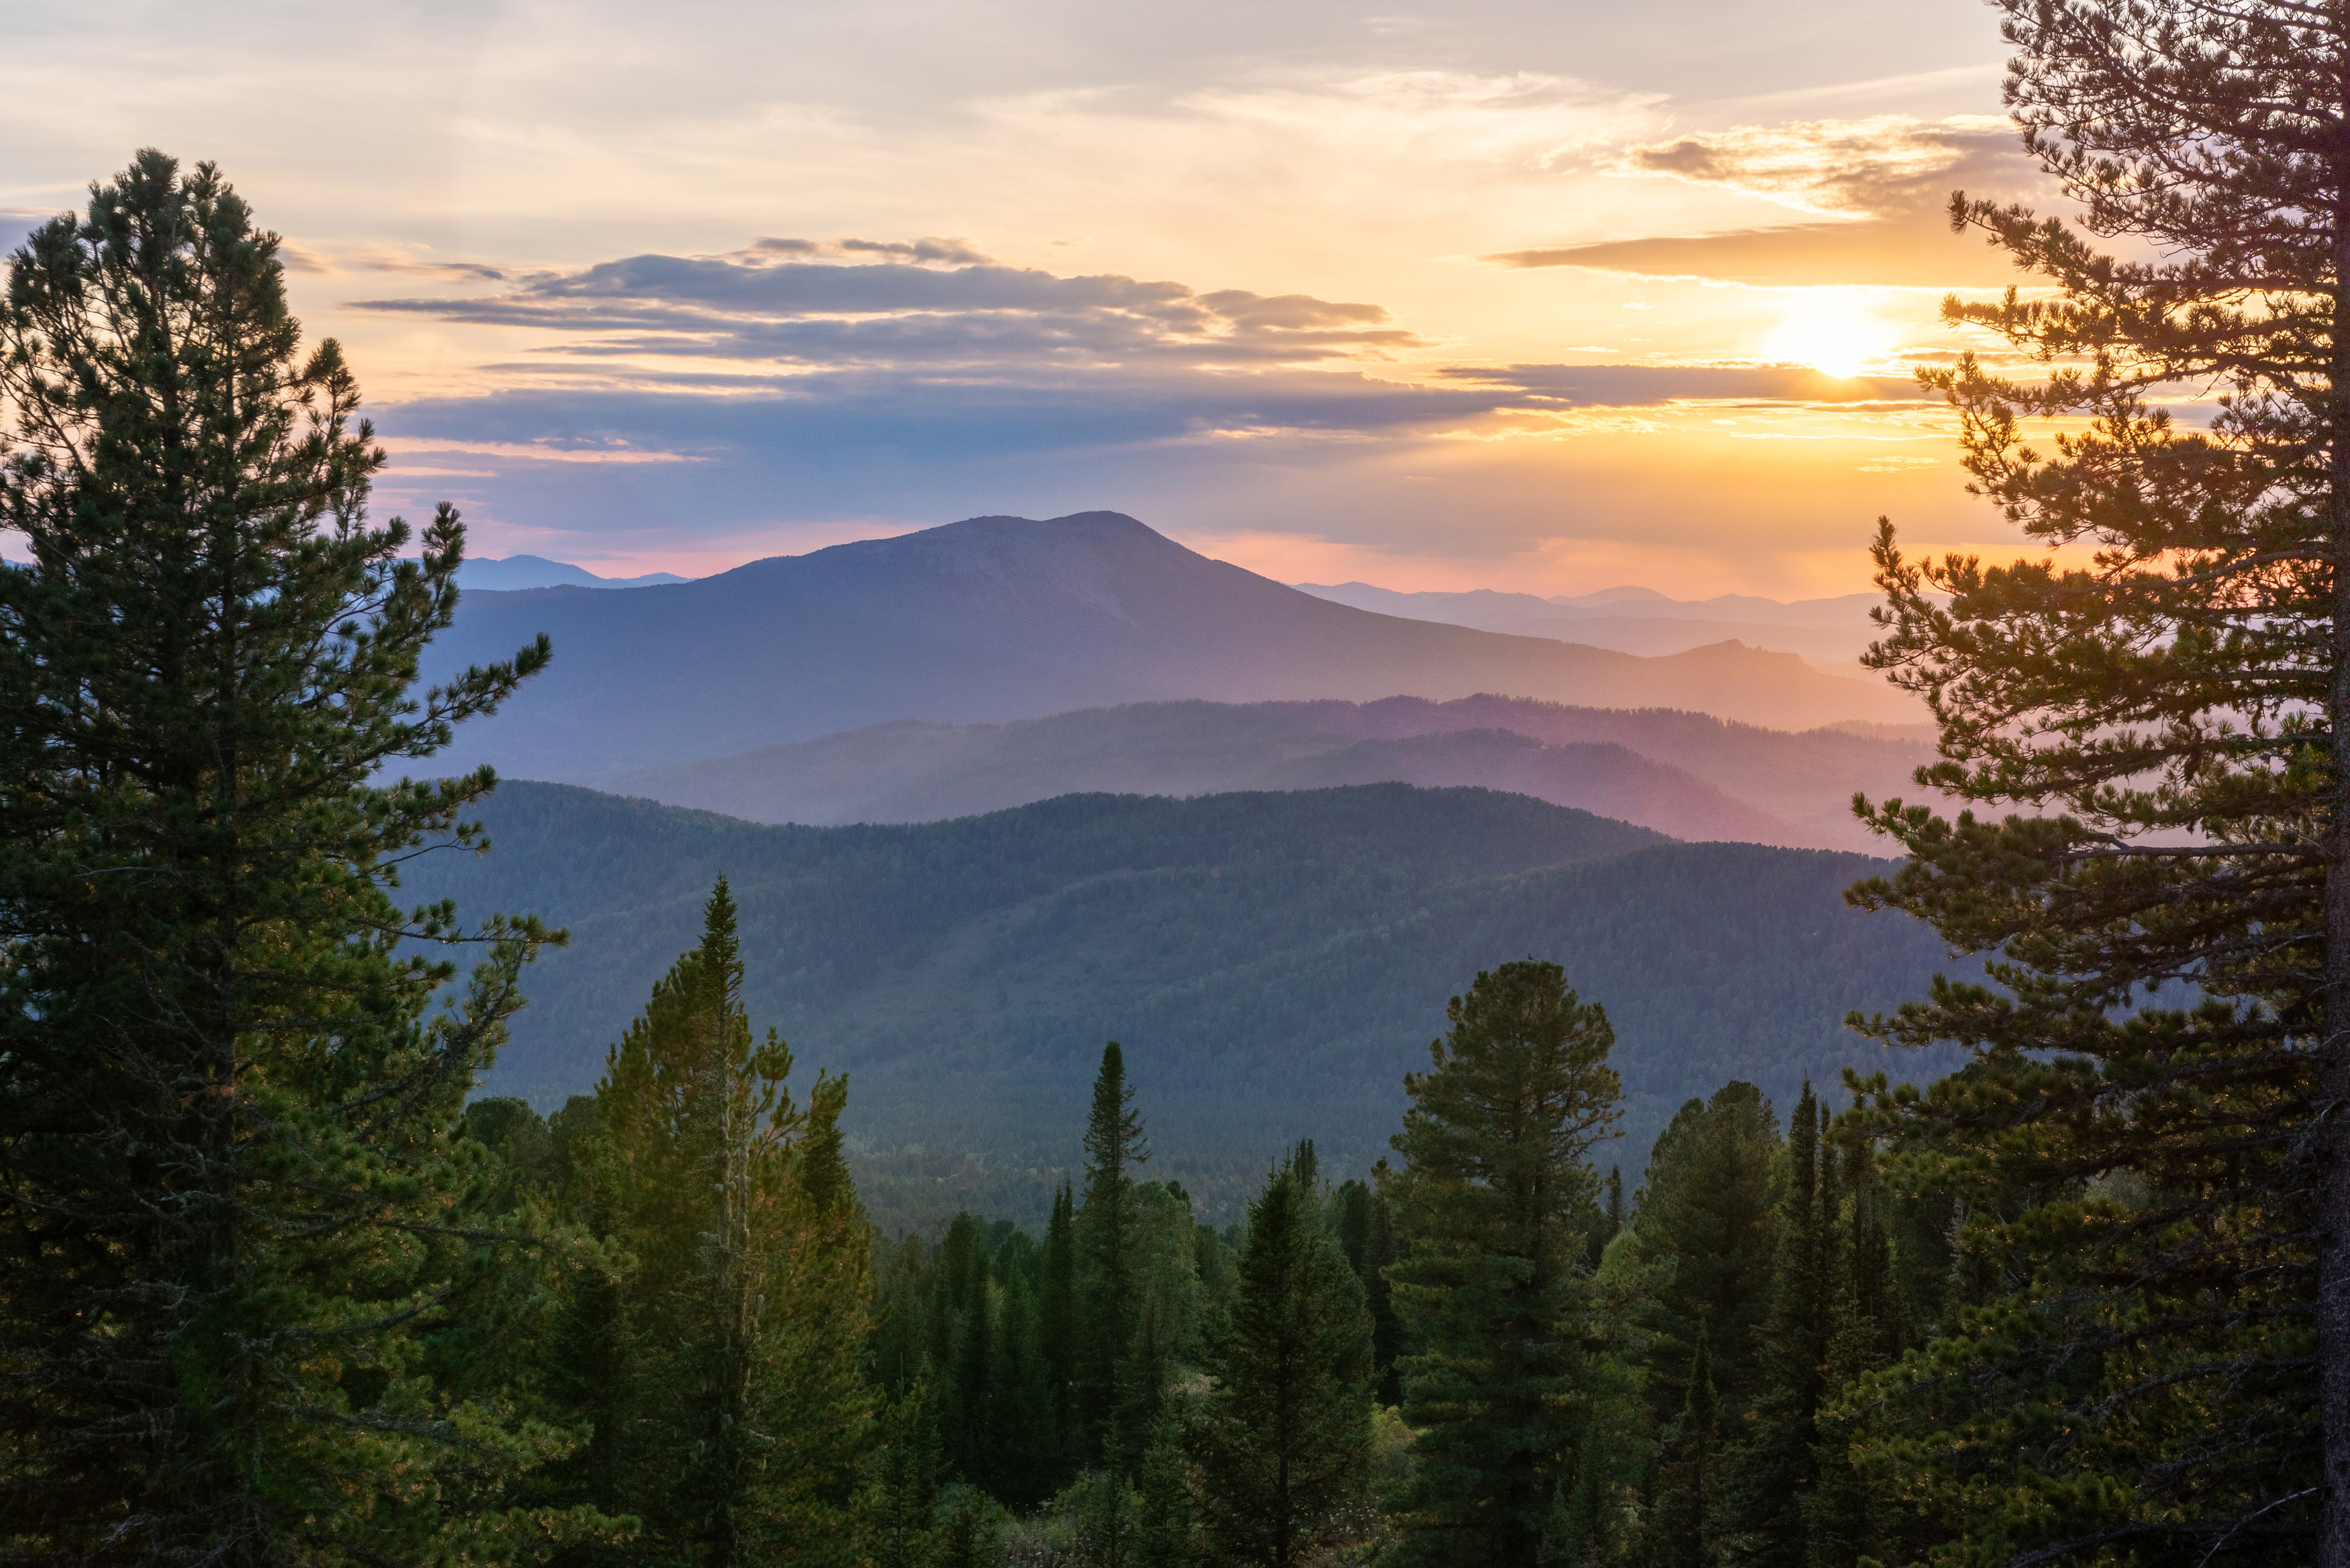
(1273,963)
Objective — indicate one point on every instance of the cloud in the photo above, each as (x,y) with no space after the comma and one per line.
(1874,192)
(929,248)
(1654,386)
(1863,167)
(797,313)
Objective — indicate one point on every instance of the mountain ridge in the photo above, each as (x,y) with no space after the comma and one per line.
(1697,777)
(997,619)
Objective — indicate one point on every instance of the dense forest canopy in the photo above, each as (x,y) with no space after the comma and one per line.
(1268,960)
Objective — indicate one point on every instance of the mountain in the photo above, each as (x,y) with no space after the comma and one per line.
(1686,774)
(1272,962)
(1828,631)
(1004,618)
(539,572)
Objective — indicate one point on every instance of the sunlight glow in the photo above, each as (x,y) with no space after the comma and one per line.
(1831,330)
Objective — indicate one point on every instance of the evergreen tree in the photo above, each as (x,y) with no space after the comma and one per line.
(967,1343)
(744,1310)
(1166,1526)
(1681,1527)
(1105,1228)
(1611,1215)
(258,1302)
(1491,1281)
(969,1530)
(1057,1328)
(903,1494)
(1024,1437)
(1776,1470)
(1366,1233)
(2163,1367)
(1283,1431)
(1707,1207)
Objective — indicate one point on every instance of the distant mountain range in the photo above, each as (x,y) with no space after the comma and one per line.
(1686,774)
(1005,618)
(1272,962)
(539,572)
(1833,632)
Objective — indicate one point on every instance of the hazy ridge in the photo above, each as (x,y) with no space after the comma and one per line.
(997,619)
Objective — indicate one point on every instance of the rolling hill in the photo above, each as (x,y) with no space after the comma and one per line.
(1005,618)
(1686,774)
(1273,963)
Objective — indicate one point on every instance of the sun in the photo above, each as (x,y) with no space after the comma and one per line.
(1834,333)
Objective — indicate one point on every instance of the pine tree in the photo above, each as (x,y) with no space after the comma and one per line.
(1706,1205)
(1367,1232)
(1681,1525)
(1772,1474)
(256,1303)
(967,1345)
(1283,1434)
(1166,1526)
(902,1491)
(1105,1233)
(1025,1438)
(744,1311)
(2164,1367)
(1488,1212)
(1057,1328)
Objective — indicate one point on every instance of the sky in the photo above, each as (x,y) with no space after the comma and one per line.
(1547,297)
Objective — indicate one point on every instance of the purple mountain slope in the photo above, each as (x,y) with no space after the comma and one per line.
(1687,775)
(1004,618)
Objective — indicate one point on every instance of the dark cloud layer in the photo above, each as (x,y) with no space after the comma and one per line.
(812,313)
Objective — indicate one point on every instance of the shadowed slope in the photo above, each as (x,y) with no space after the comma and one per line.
(1273,963)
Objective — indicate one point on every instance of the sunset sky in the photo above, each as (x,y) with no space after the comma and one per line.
(1547,296)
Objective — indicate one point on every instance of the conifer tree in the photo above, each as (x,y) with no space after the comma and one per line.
(1488,1212)
(1706,1205)
(256,1303)
(1057,1328)
(1283,1431)
(1681,1524)
(1165,1529)
(903,1489)
(1367,1232)
(744,1310)
(1105,1233)
(2164,1369)
(1773,1473)
(1023,1437)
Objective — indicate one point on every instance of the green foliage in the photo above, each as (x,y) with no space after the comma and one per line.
(1111,1310)
(1492,1283)
(1776,1472)
(1679,1528)
(1365,1226)
(1706,1208)
(2143,1364)
(739,1408)
(1282,1435)
(259,1301)
(1266,959)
